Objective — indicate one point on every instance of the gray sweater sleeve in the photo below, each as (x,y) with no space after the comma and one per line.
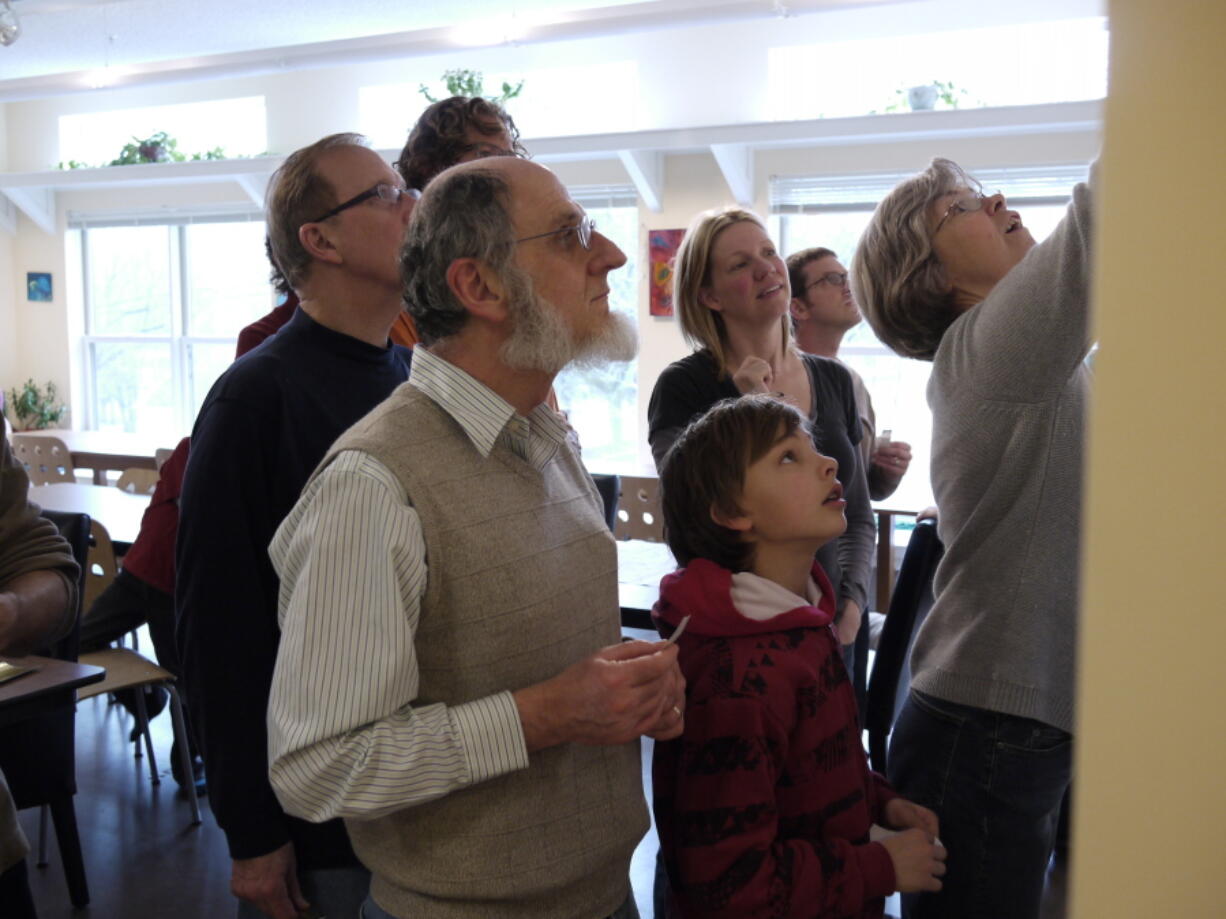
(1025,339)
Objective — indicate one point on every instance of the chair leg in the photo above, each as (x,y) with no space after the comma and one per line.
(64,816)
(43,813)
(142,723)
(185,753)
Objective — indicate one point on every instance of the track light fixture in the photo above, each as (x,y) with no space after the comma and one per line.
(10,26)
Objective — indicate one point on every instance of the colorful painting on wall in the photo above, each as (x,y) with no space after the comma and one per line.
(661,252)
(38,286)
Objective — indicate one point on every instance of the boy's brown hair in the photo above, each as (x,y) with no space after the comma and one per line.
(703,474)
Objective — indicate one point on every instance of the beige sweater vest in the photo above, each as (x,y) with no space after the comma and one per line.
(522,583)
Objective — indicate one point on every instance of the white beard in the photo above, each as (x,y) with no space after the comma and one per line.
(542,341)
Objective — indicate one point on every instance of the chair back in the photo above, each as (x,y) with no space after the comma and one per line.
(610,488)
(639,515)
(138,481)
(100,565)
(46,459)
(909,604)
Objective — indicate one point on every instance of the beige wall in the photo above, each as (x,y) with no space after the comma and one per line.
(1151,756)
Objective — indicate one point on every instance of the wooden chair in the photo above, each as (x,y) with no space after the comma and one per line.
(100,565)
(46,459)
(138,481)
(638,510)
(125,668)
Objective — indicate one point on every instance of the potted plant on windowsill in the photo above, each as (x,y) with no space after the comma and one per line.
(929,96)
(34,409)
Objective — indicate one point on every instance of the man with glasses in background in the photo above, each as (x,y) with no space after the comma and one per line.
(336,217)
(451,679)
(823,311)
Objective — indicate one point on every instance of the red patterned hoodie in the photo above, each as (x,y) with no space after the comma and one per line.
(764,804)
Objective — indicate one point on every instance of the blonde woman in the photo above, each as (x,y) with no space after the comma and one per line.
(732,293)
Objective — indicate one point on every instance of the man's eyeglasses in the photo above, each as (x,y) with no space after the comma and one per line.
(967,204)
(833,278)
(583,229)
(384,192)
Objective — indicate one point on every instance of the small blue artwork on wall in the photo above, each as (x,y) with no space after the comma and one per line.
(38,286)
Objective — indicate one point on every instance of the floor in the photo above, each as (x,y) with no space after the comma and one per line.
(144,860)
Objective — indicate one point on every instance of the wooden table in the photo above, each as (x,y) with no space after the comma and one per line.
(107,450)
(51,684)
(119,511)
(640,566)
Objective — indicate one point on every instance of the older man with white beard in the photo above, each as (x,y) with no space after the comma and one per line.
(450,679)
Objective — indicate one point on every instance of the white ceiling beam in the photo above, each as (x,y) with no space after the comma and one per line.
(736,163)
(254,185)
(8,215)
(646,168)
(36,203)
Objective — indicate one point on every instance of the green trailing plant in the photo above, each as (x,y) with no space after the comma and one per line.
(471,83)
(34,409)
(157,148)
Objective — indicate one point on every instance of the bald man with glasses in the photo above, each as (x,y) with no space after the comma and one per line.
(451,679)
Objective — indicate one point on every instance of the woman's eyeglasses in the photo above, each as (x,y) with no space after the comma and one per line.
(967,204)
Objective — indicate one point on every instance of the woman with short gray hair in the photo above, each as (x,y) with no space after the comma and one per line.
(948,274)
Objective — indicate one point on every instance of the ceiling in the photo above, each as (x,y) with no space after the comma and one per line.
(65,44)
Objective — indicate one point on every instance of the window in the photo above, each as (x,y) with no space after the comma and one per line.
(1022,64)
(236,125)
(602,402)
(163,307)
(556,102)
(811,211)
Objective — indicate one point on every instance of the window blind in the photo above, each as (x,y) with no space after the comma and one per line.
(811,194)
(163,216)
(594,196)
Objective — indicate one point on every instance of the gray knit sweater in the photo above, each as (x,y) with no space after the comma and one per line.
(1008,394)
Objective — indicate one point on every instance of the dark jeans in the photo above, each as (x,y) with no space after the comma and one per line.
(127,604)
(996,782)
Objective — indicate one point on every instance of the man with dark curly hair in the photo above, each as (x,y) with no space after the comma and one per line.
(453,131)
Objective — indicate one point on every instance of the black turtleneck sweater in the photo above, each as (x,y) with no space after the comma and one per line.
(264,426)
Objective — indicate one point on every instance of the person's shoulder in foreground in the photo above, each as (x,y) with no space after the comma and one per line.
(771,738)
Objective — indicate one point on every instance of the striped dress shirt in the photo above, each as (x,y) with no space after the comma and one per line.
(345,738)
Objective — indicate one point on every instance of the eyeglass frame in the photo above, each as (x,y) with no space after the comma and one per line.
(583,230)
(843,277)
(372,192)
(955,208)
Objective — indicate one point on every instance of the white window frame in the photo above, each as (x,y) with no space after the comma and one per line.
(178,342)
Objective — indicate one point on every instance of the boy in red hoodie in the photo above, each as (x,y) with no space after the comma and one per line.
(764,804)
